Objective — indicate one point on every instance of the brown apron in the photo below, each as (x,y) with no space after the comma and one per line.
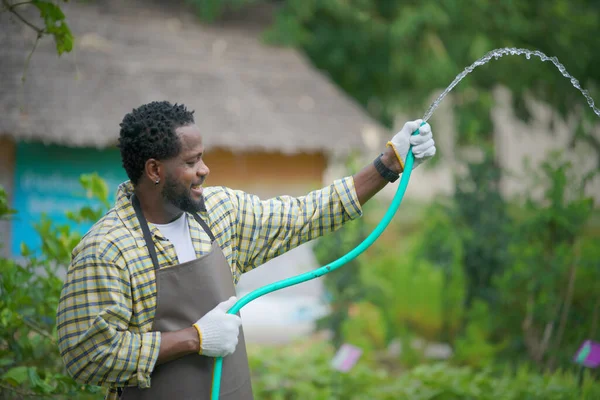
(185,293)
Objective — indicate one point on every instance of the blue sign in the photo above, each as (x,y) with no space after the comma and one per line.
(47,182)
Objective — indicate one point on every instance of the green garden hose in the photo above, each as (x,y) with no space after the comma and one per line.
(408,166)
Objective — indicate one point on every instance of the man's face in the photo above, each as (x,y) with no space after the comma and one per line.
(186,172)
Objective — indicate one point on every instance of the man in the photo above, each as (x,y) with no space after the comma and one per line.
(143,308)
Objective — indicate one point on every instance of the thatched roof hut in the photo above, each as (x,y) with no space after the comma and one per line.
(247,95)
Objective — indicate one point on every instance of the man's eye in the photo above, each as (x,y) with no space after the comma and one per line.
(191,163)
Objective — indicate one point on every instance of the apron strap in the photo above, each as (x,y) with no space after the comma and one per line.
(148,236)
(204,226)
(145,230)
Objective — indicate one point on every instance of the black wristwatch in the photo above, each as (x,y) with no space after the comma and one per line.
(384,171)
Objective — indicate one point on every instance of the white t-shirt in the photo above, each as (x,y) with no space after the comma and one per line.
(178,234)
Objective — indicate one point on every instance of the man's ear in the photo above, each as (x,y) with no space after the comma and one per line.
(153,169)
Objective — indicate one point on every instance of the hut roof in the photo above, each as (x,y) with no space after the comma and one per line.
(246,94)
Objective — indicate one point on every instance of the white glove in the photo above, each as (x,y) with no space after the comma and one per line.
(423,144)
(218,330)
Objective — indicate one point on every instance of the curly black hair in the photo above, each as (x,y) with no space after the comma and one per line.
(149,132)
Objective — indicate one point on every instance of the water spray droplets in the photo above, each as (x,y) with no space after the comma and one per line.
(498,53)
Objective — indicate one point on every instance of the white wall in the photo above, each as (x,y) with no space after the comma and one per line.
(516,140)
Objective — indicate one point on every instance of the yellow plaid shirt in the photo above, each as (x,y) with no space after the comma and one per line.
(108,300)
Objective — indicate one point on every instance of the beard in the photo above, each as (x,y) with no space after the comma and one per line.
(181,197)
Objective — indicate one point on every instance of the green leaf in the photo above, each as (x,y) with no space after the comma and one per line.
(6,316)
(5,210)
(16,376)
(63,38)
(85,214)
(54,19)
(95,186)
(37,382)
(49,11)
(25,250)
(34,378)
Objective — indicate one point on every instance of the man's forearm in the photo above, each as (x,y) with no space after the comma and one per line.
(368,182)
(177,344)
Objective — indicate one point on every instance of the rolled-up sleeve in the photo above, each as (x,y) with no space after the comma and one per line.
(93,317)
(268,228)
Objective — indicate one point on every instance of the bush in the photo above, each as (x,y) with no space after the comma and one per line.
(527,271)
(544,294)
(30,364)
(302,371)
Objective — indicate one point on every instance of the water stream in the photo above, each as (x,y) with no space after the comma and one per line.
(496,54)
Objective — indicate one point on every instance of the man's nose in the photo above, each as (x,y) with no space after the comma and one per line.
(203,170)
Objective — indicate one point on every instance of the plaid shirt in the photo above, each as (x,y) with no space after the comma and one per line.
(108,300)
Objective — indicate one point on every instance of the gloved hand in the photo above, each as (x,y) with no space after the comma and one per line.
(423,144)
(218,330)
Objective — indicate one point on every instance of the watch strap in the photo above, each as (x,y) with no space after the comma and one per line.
(384,171)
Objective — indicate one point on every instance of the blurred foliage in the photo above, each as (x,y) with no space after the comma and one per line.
(211,10)
(30,364)
(522,264)
(392,55)
(303,371)
(5,211)
(473,346)
(473,233)
(442,248)
(546,303)
(482,224)
(343,288)
(499,281)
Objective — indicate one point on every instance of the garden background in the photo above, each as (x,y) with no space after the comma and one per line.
(508,281)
